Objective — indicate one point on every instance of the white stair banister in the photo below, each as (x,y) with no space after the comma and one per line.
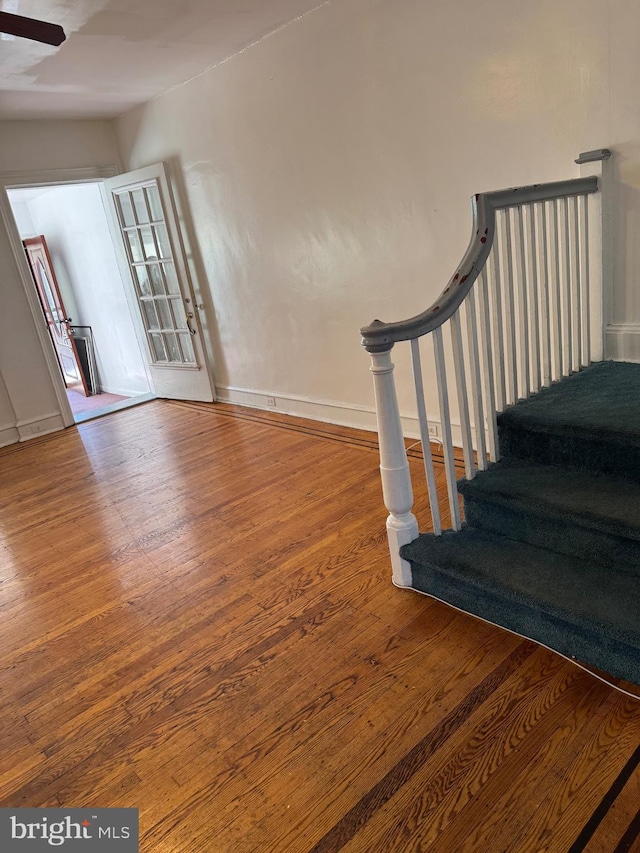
(402,525)
(528,322)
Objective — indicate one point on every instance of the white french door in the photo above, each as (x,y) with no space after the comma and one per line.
(159,291)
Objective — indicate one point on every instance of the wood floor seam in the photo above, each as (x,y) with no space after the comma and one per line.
(606,804)
(408,766)
(630,836)
(342,436)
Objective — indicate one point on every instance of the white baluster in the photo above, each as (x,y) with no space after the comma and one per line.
(493,276)
(463,400)
(555,310)
(576,290)
(566,290)
(402,526)
(487,369)
(545,325)
(533,299)
(596,271)
(510,355)
(523,309)
(585,296)
(424,437)
(474,375)
(445,422)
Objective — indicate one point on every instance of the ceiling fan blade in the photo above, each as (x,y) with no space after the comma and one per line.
(30,28)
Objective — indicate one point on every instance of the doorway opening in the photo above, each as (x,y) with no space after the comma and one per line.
(68,242)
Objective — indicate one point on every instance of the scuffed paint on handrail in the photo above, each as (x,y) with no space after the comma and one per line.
(380,337)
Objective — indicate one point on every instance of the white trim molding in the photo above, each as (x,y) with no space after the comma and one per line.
(329,411)
(8,434)
(623,341)
(42,425)
(37,177)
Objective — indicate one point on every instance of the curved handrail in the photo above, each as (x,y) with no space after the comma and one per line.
(380,337)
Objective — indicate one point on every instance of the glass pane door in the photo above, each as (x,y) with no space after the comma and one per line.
(152,262)
(164,293)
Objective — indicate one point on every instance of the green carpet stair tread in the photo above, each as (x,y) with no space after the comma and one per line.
(595,517)
(612,504)
(590,421)
(601,400)
(580,608)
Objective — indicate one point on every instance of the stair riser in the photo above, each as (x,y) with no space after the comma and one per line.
(581,454)
(535,624)
(553,533)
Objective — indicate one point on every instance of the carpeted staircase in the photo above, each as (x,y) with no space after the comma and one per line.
(551,545)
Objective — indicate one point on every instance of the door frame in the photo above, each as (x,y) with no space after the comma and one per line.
(38,178)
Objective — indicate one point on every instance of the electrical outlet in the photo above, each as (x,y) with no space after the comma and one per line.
(271,401)
(434,431)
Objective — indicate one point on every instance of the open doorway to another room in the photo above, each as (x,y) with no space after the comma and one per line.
(83,296)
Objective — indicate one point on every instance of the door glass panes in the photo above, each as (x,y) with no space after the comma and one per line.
(150,315)
(157,286)
(164,312)
(153,199)
(157,348)
(172,347)
(44,281)
(155,276)
(126,209)
(179,314)
(142,214)
(148,244)
(187,347)
(163,241)
(134,245)
(171,278)
(142,277)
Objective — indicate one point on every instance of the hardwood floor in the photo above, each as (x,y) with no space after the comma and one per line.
(198,621)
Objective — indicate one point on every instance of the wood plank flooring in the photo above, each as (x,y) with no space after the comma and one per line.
(197,620)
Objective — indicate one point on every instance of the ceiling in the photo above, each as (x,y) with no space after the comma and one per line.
(120,53)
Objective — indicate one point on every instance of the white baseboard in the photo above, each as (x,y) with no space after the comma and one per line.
(8,435)
(327,411)
(623,341)
(41,425)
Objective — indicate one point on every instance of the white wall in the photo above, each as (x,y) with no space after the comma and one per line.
(22,214)
(30,403)
(329,167)
(73,221)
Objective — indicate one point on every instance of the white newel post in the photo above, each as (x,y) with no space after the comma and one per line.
(402,525)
